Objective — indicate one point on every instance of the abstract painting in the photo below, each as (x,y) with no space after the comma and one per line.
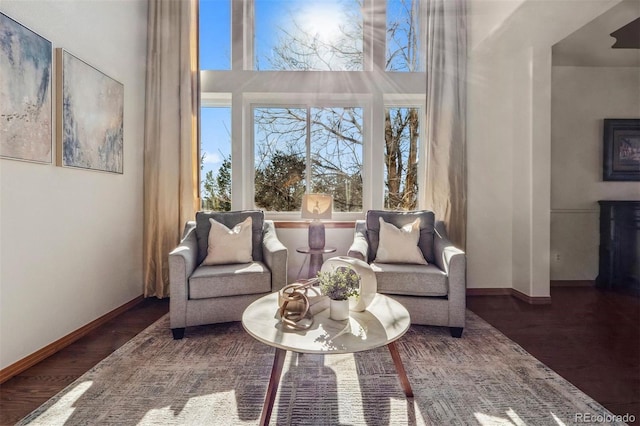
(90,116)
(621,156)
(25,93)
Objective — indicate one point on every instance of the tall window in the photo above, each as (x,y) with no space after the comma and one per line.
(327,96)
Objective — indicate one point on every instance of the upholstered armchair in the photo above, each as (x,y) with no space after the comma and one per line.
(215,274)
(429,281)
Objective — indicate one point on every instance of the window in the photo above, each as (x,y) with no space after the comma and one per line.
(308,35)
(401,158)
(215,34)
(321,96)
(280,158)
(336,156)
(215,158)
(318,148)
(403,36)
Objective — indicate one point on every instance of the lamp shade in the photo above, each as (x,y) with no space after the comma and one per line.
(317,206)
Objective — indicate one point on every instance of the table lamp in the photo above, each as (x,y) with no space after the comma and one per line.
(316,207)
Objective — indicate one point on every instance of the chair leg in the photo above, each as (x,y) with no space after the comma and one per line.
(178,333)
(456,331)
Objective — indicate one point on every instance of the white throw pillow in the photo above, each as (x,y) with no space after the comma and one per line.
(229,245)
(399,245)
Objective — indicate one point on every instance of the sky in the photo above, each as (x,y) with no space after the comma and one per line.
(215,128)
(215,54)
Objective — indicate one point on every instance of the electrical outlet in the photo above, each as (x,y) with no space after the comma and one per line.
(557,257)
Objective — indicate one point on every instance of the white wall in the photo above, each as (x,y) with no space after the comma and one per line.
(509,142)
(582,98)
(293,238)
(71,240)
(488,18)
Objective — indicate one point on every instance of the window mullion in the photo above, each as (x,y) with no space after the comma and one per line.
(375,166)
(238,28)
(308,143)
(377,33)
(241,153)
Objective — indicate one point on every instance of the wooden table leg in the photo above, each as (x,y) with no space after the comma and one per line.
(272,389)
(404,381)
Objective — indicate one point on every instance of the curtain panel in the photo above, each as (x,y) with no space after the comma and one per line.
(171,135)
(446,67)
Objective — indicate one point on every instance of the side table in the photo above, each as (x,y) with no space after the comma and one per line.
(315,258)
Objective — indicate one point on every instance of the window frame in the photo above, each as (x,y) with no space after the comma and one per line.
(211,100)
(297,100)
(373,90)
(368,13)
(230,46)
(419,102)
(422,35)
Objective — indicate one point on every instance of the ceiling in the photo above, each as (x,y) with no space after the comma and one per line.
(591,45)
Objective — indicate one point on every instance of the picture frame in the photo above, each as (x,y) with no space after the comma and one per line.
(26,105)
(621,154)
(90,116)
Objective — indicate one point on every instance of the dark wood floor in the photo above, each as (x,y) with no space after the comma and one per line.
(25,392)
(590,337)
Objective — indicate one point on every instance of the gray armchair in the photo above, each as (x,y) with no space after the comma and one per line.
(203,294)
(434,294)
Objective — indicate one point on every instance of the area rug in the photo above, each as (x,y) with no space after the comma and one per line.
(218,375)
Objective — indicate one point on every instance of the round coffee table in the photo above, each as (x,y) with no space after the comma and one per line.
(384,321)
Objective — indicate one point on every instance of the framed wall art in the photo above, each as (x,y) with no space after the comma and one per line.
(90,114)
(621,156)
(26,67)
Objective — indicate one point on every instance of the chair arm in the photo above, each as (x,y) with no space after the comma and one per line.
(182,263)
(275,255)
(360,246)
(191,224)
(453,262)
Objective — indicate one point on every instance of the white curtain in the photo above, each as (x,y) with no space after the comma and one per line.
(446,68)
(171,135)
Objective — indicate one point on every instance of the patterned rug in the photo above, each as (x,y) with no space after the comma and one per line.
(218,374)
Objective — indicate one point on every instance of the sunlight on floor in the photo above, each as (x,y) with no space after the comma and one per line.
(62,410)
(407,410)
(341,364)
(401,410)
(487,420)
(557,419)
(195,406)
(513,419)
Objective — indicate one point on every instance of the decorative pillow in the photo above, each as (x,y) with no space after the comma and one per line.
(229,245)
(399,245)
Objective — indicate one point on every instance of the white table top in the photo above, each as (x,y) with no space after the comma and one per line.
(384,321)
